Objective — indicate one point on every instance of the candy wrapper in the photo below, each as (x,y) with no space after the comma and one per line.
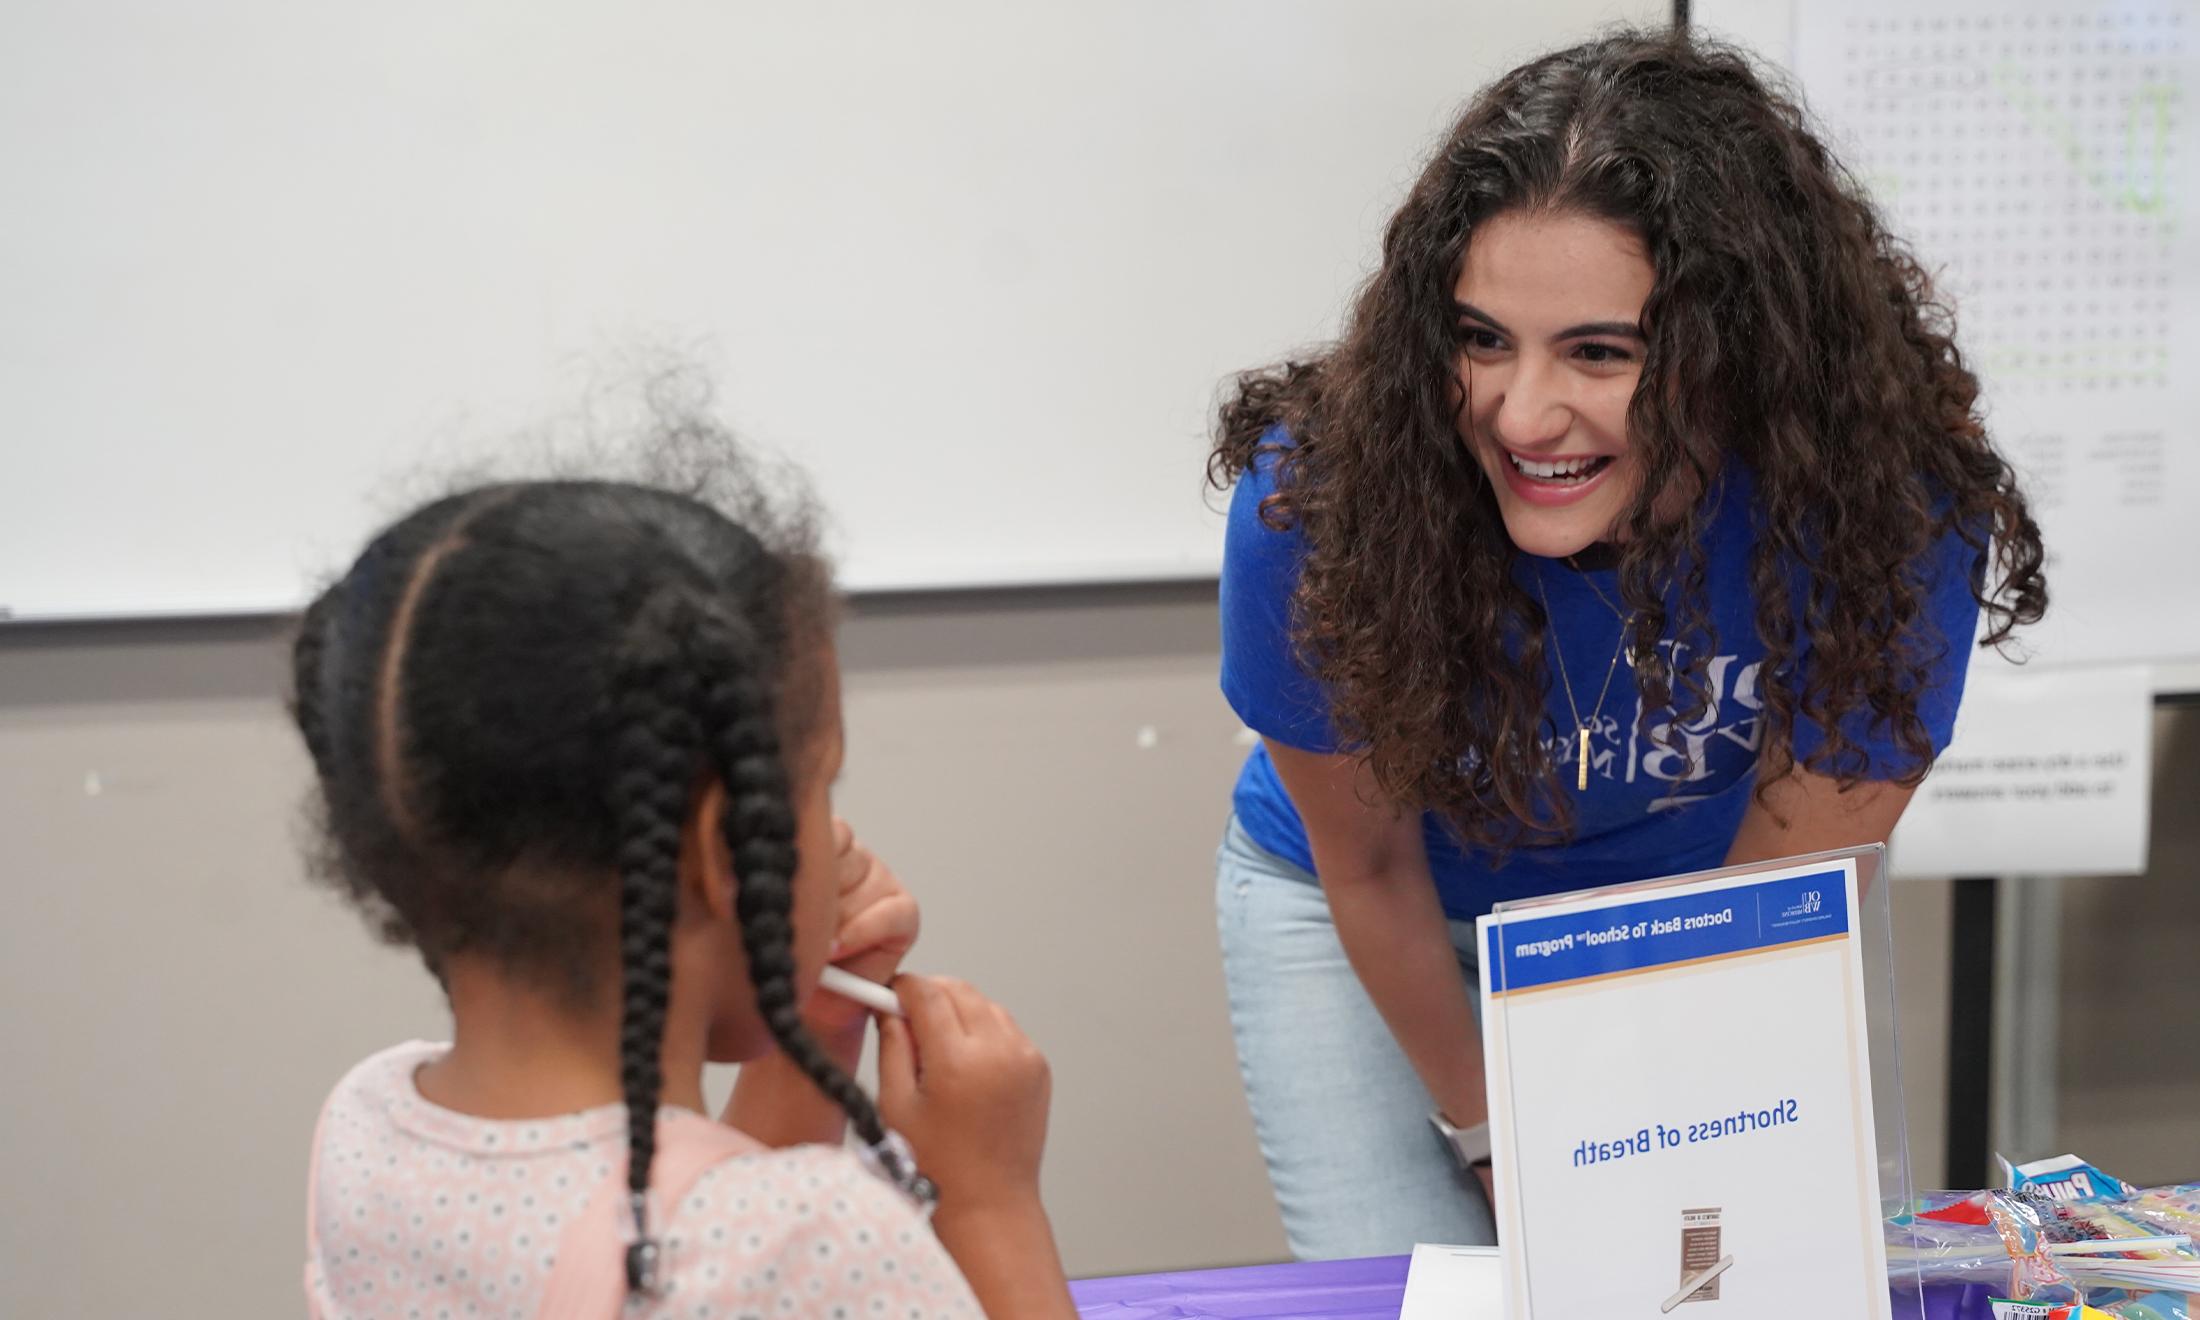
(2063,1239)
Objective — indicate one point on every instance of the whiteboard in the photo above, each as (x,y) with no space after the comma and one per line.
(2043,159)
(979,267)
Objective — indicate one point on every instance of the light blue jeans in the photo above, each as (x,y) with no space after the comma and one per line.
(1342,1117)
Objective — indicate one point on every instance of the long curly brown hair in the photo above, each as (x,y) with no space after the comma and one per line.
(1787,329)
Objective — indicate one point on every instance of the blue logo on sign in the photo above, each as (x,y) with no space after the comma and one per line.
(1800,908)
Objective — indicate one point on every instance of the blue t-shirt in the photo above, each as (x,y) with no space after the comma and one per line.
(1648,812)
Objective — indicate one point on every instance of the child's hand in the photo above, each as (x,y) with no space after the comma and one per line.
(969,1090)
(878,926)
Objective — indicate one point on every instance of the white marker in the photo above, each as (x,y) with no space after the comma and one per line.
(870,994)
(1695,1281)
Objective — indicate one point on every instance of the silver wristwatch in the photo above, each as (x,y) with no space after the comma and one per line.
(1468,1145)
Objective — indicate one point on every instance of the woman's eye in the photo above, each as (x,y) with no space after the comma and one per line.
(1603,353)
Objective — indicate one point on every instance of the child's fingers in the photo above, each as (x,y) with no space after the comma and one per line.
(958,998)
(975,1010)
(931,1016)
(866,880)
(855,869)
(889,924)
(897,1061)
(852,862)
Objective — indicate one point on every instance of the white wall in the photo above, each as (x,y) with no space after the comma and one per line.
(275,257)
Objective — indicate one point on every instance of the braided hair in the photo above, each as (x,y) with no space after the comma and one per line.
(512,697)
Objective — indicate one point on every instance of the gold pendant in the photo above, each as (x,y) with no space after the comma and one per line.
(1581,781)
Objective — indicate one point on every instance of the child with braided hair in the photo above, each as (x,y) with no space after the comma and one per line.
(575,743)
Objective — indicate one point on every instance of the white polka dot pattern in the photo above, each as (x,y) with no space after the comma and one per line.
(420,1213)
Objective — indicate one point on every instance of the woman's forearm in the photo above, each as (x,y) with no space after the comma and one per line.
(1395,935)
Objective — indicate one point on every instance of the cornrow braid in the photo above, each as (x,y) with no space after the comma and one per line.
(759,823)
(658,748)
(660,745)
(584,656)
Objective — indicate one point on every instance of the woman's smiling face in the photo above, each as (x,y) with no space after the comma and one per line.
(1549,313)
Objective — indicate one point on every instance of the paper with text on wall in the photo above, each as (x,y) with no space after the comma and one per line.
(2048,774)
(1681,1098)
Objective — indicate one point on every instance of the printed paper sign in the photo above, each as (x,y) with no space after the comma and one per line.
(2047,775)
(1680,1099)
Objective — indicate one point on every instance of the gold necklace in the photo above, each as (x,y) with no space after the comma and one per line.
(1581,726)
(1591,583)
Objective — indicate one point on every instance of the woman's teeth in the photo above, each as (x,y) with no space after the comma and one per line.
(1563,471)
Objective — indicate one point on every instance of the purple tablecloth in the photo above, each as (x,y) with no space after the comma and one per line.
(1370,1289)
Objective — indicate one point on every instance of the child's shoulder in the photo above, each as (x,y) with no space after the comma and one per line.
(812,1222)
(376,1087)
(378,1104)
(797,1188)
(386,1074)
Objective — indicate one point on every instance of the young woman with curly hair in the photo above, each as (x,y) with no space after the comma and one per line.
(1641,521)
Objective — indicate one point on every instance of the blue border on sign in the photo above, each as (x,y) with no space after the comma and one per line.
(1655,932)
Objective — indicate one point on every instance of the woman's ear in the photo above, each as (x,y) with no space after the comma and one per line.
(706,863)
